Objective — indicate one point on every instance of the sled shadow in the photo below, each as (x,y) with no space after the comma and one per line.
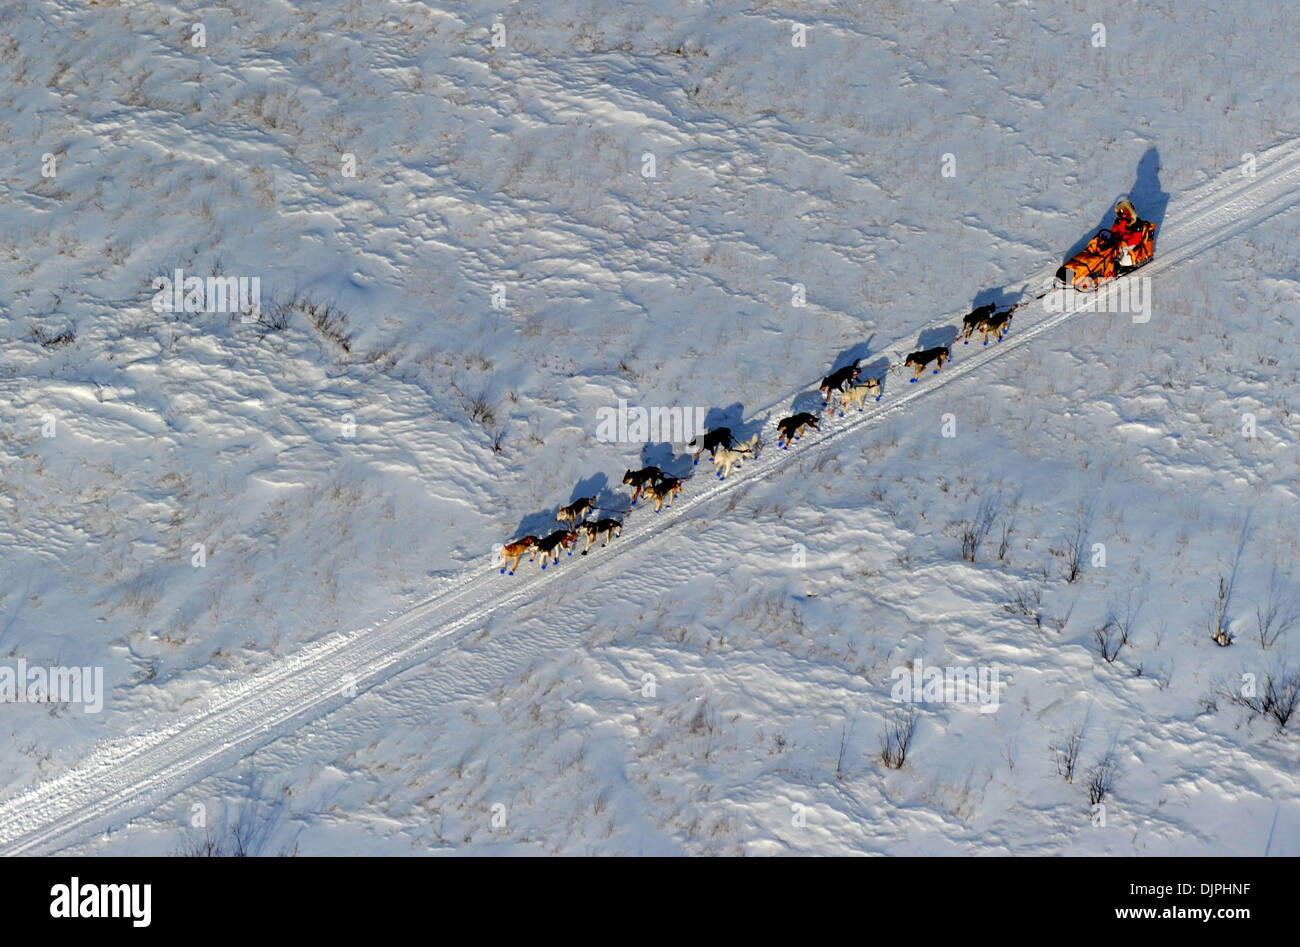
(1146,194)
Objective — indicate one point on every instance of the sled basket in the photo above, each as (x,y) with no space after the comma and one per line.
(1097,263)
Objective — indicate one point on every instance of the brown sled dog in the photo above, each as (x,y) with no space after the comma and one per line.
(999,325)
(975,321)
(594,530)
(575,511)
(639,480)
(919,360)
(511,552)
(791,428)
(665,488)
(550,546)
(837,379)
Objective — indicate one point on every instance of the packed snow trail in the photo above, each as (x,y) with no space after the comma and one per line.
(134,773)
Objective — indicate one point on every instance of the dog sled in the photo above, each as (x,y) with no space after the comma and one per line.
(1129,244)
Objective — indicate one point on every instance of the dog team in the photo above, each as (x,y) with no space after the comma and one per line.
(840,390)
(650,482)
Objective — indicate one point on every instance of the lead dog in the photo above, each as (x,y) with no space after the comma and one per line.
(858,393)
(791,428)
(575,511)
(640,479)
(919,360)
(593,530)
(727,457)
(511,552)
(837,379)
(718,437)
(665,488)
(550,546)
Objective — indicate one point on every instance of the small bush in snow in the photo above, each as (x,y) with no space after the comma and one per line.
(1277,697)
(1076,544)
(896,740)
(1110,639)
(236,846)
(974,531)
(325,318)
(1027,601)
(1217,620)
(1280,611)
(46,339)
(1101,779)
(1067,754)
(1004,537)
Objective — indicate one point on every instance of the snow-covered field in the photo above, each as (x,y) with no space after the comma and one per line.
(276,537)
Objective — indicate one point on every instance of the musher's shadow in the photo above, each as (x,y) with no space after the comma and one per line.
(1146,194)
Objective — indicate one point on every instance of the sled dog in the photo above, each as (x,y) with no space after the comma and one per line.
(550,546)
(919,360)
(511,552)
(662,489)
(718,437)
(972,323)
(715,439)
(727,457)
(792,427)
(858,393)
(640,479)
(575,511)
(837,379)
(998,325)
(593,530)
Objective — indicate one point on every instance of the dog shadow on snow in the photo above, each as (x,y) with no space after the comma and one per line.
(675,460)
(810,400)
(854,353)
(998,298)
(607,497)
(937,336)
(662,455)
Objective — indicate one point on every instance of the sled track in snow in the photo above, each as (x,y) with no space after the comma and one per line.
(128,775)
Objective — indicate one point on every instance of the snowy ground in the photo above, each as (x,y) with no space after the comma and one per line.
(522,166)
